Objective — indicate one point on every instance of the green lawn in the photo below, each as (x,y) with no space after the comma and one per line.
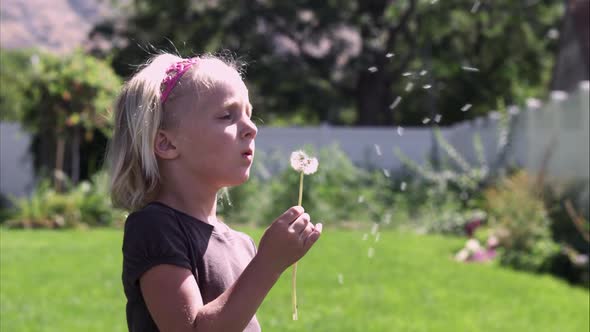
(70,281)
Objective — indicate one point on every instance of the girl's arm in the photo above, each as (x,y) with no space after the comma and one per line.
(174,299)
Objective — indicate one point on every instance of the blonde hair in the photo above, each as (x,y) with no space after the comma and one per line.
(138,116)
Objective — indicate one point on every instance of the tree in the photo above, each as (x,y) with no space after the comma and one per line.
(64,102)
(344,62)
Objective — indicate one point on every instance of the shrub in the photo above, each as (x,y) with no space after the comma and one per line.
(521,223)
(87,204)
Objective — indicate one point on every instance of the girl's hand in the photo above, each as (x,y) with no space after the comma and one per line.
(288,239)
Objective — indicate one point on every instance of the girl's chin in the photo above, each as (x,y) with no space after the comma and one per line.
(238,180)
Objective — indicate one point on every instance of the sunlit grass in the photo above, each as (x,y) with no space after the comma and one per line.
(70,281)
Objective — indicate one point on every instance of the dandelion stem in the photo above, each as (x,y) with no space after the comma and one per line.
(300,188)
(294,276)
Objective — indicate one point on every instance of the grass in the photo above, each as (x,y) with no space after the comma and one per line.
(70,281)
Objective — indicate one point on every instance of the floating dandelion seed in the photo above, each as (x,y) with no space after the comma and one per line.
(340,279)
(395,102)
(432,2)
(400,130)
(365,237)
(402,186)
(389,55)
(427,86)
(303,164)
(371,252)
(466,107)
(361,199)
(409,87)
(467,68)
(374,229)
(553,33)
(494,115)
(558,95)
(373,69)
(378,149)
(533,103)
(437,118)
(387,219)
(423,72)
(408,73)
(425,120)
(386,173)
(377,236)
(475,7)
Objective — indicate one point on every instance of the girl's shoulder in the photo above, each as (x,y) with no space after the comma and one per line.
(151,218)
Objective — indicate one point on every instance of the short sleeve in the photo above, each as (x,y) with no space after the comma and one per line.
(152,238)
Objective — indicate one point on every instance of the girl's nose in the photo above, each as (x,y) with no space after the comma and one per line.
(250,130)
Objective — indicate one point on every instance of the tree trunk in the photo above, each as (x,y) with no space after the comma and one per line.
(75,155)
(59,163)
(372,99)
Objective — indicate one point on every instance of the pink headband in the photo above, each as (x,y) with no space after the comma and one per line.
(173,74)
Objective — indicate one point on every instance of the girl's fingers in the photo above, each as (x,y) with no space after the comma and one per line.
(313,236)
(290,215)
(300,224)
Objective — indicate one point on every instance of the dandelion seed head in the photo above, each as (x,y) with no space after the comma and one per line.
(427,86)
(409,86)
(423,72)
(389,55)
(437,118)
(425,120)
(386,172)
(301,162)
(402,186)
(408,73)
(373,69)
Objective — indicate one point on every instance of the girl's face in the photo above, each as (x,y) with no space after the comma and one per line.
(215,137)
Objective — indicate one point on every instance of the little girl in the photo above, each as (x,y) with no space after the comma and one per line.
(183,131)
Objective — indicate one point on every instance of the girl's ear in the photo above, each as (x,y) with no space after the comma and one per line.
(164,145)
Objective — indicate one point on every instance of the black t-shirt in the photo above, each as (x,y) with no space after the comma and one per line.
(159,234)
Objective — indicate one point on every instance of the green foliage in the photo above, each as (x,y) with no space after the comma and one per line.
(73,90)
(521,223)
(311,59)
(16,74)
(339,192)
(63,101)
(83,205)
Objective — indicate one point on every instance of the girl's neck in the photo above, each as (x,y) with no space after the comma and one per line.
(196,202)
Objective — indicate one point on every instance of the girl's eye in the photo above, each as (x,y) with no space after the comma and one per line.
(226,117)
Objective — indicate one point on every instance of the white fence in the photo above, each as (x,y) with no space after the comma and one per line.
(558,128)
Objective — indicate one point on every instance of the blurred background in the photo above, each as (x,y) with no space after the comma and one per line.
(452,138)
